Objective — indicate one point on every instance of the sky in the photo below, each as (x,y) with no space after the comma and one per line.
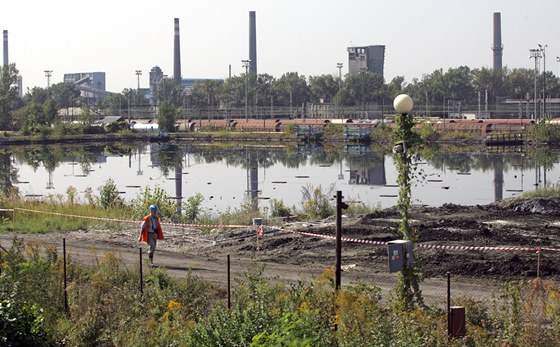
(310,37)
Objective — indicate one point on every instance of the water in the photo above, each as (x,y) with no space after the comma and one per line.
(227,177)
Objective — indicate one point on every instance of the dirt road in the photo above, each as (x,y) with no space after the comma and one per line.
(291,257)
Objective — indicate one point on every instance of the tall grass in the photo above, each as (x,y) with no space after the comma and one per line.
(106,308)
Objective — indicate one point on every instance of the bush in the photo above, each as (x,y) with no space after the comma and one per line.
(278,209)
(316,202)
(167,207)
(109,195)
(21,324)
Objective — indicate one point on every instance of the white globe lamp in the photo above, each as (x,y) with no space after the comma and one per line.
(403,103)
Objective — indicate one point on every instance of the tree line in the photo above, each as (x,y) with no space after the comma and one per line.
(257,93)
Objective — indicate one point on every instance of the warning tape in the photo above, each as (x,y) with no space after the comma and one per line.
(294,231)
(429,246)
(132,221)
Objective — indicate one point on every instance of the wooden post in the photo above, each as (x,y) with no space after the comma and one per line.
(228,284)
(141,274)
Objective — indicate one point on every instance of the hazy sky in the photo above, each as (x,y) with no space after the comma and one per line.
(306,36)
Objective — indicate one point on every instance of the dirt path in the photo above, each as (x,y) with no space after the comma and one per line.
(290,256)
(210,263)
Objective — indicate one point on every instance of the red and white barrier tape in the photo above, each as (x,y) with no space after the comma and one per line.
(428,246)
(132,221)
(346,239)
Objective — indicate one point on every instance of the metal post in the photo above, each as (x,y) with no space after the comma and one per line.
(543,50)
(228,283)
(64,267)
(141,273)
(246,65)
(448,303)
(536,54)
(538,262)
(338,239)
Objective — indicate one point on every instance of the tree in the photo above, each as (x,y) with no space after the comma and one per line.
(291,90)
(64,94)
(364,87)
(113,104)
(9,98)
(323,88)
(169,91)
(167,115)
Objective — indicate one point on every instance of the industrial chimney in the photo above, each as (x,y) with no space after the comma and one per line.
(252,42)
(6,61)
(177,54)
(497,47)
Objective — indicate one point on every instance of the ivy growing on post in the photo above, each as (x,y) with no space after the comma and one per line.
(407,142)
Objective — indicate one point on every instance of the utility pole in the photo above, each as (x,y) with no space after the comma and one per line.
(138,74)
(543,50)
(246,64)
(48,74)
(535,54)
(339,67)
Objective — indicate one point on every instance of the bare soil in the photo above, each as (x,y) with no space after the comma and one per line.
(291,256)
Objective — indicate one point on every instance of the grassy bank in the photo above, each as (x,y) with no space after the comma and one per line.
(106,308)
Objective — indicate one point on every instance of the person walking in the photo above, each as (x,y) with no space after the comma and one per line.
(151,231)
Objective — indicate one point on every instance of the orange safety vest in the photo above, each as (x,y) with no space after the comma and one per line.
(146,228)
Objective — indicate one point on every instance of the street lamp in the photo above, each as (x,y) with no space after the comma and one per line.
(543,50)
(403,104)
(339,67)
(535,54)
(138,74)
(48,74)
(246,64)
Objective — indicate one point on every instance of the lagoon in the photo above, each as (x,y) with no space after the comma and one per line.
(229,176)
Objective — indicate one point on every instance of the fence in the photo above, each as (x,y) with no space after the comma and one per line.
(225,256)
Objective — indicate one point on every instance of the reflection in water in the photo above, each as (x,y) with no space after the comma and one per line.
(498,178)
(252,179)
(179,186)
(223,175)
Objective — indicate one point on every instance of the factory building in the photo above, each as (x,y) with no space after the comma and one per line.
(370,58)
(90,84)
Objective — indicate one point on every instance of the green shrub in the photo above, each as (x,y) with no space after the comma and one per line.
(167,207)
(21,324)
(545,132)
(278,209)
(109,195)
(316,203)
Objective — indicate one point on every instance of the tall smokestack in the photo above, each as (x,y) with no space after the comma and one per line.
(497,47)
(177,54)
(6,61)
(252,42)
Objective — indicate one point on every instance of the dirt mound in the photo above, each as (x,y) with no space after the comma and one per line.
(548,206)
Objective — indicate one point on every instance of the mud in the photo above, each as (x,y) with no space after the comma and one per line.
(514,223)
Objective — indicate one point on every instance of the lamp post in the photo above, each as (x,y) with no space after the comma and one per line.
(542,48)
(339,67)
(535,54)
(405,146)
(138,74)
(246,64)
(48,74)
